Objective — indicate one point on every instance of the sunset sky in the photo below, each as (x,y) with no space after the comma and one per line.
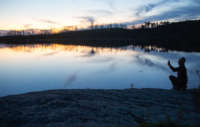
(47,14)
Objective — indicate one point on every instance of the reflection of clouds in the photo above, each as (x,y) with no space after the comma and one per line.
(50,53)
(142,60)
(71,78)
(176,55)
(112,67)
(195,71)
(101,59)
(198,74)
(192,63)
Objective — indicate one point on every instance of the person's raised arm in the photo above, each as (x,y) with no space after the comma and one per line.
(171,67)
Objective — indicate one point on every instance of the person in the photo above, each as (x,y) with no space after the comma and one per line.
(179,82)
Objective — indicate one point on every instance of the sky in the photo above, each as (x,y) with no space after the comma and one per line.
(48,14)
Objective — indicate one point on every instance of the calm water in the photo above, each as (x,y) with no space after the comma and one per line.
(43,67)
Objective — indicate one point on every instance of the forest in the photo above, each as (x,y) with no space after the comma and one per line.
(183,35)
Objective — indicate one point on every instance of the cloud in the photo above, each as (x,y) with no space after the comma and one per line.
(27,26)
(109,3)
(48,21)
(146,8)
(88,19)
(177,10)
(176,14)
(101,12)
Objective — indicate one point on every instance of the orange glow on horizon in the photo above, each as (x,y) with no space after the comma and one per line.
(74,49)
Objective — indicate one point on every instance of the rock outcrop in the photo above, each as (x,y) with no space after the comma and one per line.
(98,108)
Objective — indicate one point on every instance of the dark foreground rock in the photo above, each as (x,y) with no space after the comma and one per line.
(98,108)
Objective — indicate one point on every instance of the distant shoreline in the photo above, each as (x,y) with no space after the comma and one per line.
(99,108)
(182,36)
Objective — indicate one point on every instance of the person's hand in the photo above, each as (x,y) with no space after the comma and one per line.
(169,63)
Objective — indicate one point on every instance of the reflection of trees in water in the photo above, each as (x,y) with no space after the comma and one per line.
(52,48)
(153,48)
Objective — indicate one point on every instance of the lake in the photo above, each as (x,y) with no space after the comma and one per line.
(27,68)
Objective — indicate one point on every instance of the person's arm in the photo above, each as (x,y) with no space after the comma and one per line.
(171,67)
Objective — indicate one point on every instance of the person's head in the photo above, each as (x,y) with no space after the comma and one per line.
(181,61)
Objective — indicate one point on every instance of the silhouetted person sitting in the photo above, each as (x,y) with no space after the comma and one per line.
(179,82)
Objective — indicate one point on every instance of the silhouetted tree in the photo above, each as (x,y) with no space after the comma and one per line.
(147,24)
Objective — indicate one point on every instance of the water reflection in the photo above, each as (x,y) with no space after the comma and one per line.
(150,62)
(71,78)
(59,48)
(27,68)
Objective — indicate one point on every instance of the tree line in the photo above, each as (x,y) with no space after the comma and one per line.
(182,35)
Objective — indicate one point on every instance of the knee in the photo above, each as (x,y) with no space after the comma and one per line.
(184,87)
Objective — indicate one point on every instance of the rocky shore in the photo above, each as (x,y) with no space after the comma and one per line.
(98,108)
